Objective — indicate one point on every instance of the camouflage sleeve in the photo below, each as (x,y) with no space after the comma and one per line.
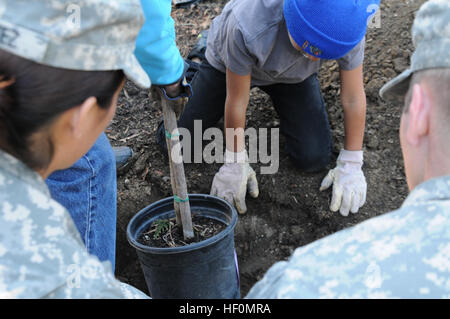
(41,252)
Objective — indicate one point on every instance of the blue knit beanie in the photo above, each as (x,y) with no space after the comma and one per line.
(328,29)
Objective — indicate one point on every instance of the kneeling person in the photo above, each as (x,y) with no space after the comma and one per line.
(279,47)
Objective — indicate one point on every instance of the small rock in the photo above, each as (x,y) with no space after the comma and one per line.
(274,123)
(166,179)
(146,190)
(296,229)
(374,86)
(389,73)
(373,142)
(372,160)
(141,163)
(400,64)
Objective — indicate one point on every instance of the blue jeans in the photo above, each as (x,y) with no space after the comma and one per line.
(88,190)
(304,122)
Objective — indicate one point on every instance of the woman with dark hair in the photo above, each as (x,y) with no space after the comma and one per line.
(54,104)
(88,189)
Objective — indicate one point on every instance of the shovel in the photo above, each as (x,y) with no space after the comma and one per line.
(177,176)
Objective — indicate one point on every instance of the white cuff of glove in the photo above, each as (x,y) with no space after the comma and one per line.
(232,157)
(354,157)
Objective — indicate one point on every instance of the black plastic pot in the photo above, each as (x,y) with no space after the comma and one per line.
(206,269)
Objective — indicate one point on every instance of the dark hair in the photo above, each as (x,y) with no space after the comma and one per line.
(34,95)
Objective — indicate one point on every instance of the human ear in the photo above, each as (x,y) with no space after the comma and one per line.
(419,115)
(81,116)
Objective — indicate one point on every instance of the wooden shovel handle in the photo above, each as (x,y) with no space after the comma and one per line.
(177,176)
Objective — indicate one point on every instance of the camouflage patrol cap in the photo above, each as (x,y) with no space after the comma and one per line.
(86,35)
(431,39)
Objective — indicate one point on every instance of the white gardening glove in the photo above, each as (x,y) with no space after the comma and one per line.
(231,181)
(349,183)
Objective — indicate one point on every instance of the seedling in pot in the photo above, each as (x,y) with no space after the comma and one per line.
(160,226)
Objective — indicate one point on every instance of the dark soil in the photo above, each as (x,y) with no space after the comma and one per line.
(167,233)
(290,211)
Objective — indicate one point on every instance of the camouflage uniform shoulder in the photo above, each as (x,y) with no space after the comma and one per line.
(41,252)
(402,254)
